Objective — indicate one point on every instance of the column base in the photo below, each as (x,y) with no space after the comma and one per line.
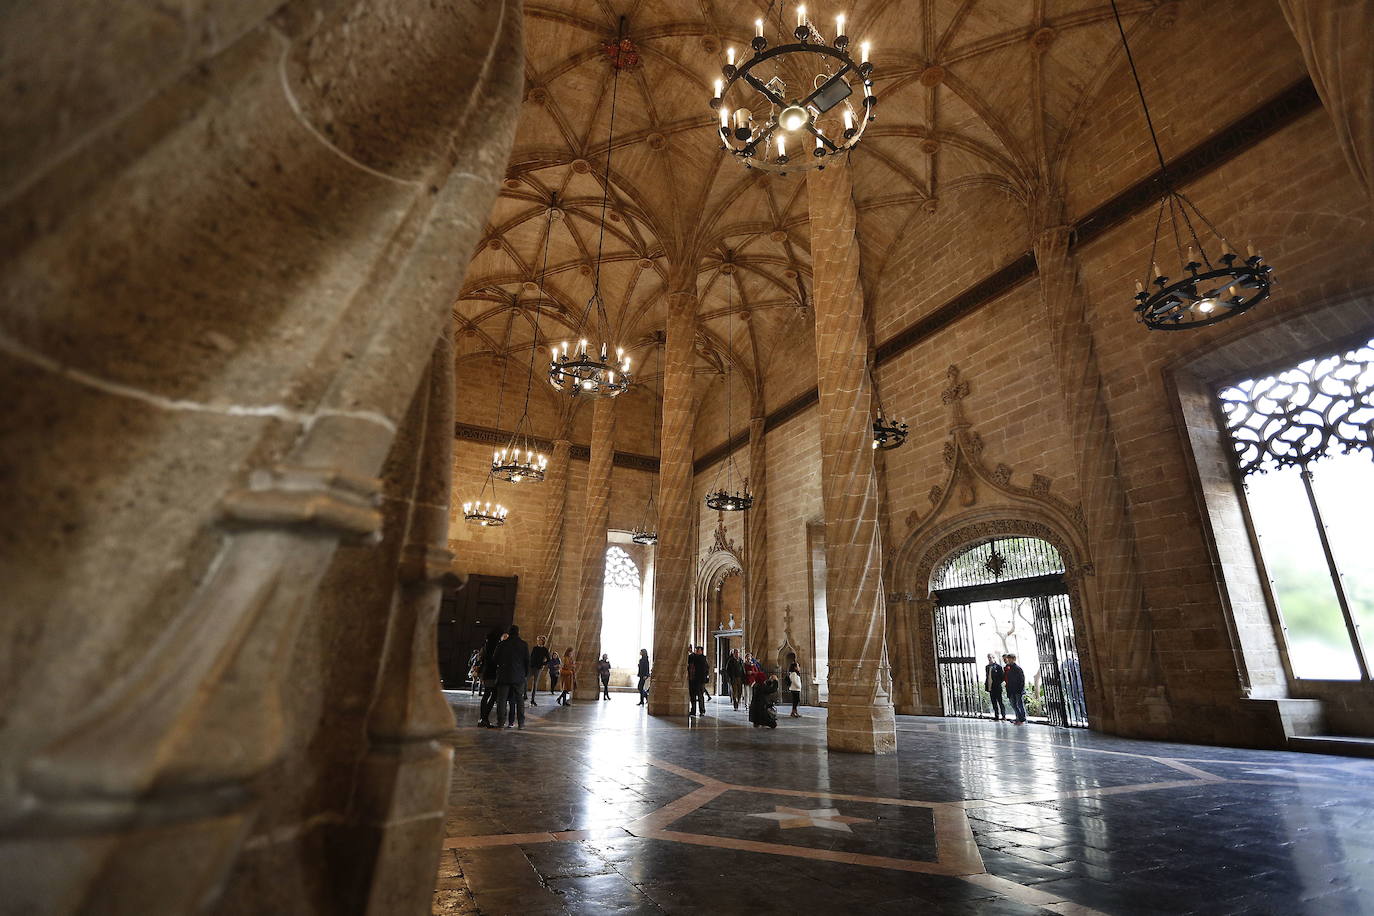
(861,728)
(671,701)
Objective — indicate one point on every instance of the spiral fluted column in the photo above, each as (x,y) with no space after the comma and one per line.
(673,558)
(1122,636)
(1337,42)
(551,558)
(860,708)
(759,638)
(596,518)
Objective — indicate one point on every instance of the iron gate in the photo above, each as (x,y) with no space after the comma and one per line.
(1022,569)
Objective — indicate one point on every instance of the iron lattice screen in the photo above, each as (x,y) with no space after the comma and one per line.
(999,560)
(1298,415)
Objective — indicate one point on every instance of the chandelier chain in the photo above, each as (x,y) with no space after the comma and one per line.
(605,195)
(1140,91)
(538,303)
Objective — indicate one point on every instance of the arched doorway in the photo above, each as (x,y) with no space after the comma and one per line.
(1007,595)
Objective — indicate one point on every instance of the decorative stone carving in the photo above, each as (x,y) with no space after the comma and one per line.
(1040,485)
(1001,475)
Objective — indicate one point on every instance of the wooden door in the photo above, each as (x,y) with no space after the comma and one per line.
(466,615)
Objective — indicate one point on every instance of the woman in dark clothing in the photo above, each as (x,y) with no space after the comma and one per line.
(643,677)
(761,711)
(488,669)
(603,671)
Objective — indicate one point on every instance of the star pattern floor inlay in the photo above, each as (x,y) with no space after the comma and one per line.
(825,818)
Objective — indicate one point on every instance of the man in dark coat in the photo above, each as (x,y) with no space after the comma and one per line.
(1016,687)
(487,670)
(992,683)
(539,657)
(512,668)
(734,677)
(698,672)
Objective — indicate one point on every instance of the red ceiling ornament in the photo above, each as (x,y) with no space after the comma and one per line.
(622,54)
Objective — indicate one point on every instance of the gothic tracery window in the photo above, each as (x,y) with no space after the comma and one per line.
(625,624)
(1303,442)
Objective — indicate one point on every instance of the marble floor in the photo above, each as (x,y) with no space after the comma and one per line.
(599,808)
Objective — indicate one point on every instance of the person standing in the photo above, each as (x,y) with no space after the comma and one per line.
(734,677)
(539,658)
(1015,680)
(992,683)
(487,668)
(643,677)
(794,686)
(555,667)
(512,670)
(698,672)
(568,676)
(603,671)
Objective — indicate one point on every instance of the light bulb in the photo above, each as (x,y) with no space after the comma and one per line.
(720,88)
(1206,305)
(1139,287)
(839,24)
(515,478)
(801,15)
(819,142)
(782,146)
(792,117)
(758,27)
(730,55)
(875,443)
(863,52)
(848,119)
(619,352)
(582,346)
(724,116)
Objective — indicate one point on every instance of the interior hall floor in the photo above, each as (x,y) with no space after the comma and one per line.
(599,808)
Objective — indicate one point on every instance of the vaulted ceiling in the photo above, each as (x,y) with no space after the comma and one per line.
(970,92)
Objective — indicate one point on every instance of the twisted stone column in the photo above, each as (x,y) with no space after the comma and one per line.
(1337,41)
(596,518)
(1122,637)
(551,557)
(860,706)
(214,311)
(759,638)
(673,557)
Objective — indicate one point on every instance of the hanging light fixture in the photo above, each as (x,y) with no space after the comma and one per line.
(888,432)
(646,532)
(486,510)
(768,124)
(1206,290)
(521,461)
(726,497)
(591,372)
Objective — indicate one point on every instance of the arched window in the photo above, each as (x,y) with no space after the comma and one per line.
(624,628)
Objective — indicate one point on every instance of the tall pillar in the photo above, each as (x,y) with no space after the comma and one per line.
(551,559)
(673,556)
(1122,637)
(253,273)
(596,518)
(759,638)
(860,706)
(1337,41)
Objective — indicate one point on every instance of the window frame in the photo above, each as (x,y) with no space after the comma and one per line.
(1362,652)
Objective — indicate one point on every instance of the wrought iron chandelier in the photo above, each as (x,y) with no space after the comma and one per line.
(521,461)
(646,532)
(1206,290)
(822,119)
(485,511)
(588,372)
(727,497)
(888,432)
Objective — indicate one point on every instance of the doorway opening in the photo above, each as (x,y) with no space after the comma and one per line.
(1007,596)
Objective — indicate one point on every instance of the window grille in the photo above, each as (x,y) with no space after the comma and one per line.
(1294,417)
(621,571)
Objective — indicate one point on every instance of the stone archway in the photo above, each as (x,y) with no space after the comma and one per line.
(918,560)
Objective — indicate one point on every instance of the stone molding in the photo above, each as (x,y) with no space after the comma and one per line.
(327,499)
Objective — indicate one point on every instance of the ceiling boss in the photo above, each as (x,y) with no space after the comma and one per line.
(798,112)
